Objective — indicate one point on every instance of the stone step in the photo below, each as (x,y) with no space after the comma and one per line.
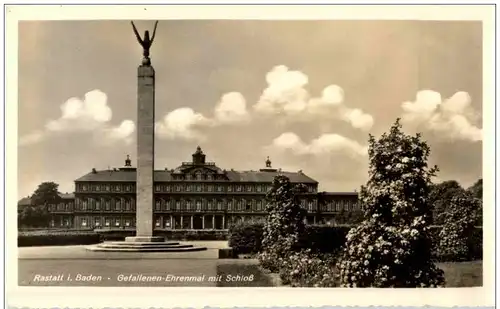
(166,243)
(141,246)
(145,249)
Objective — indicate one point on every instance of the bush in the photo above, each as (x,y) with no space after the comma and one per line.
(324,238)
(457,229)
(474,245)
(392,247)
(57,240)
(284,225)
(246,237)
(306,269)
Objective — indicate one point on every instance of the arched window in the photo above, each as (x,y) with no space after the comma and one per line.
(198,205)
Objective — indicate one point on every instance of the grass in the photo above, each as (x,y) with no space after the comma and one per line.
(463,274)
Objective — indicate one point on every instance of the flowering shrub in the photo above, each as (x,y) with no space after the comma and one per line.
(246,237)
(392,246)
(304,269)
(284,226)
(458,228)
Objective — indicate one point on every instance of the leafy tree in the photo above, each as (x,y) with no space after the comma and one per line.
(392,246)
(458,228)
(440,198)
(284,227)
(477,192)
(37,215)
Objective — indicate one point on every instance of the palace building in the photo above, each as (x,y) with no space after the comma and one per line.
(195,195)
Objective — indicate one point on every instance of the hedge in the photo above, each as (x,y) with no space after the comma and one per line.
(57,240)
(246,238)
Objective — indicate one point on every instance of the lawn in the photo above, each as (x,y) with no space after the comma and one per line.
(463,274)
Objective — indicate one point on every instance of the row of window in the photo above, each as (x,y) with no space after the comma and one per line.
(124,204)
(198,176)
(261,188)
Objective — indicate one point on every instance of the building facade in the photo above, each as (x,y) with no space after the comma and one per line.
(195,195)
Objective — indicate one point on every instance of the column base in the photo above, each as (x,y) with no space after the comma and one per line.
(144,239)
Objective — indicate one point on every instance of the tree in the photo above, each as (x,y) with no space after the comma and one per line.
(46,194)
(284,227)
(458,228)
(440,198)
(392,246)
(476,190)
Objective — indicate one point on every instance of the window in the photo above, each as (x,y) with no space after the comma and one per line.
(106,222)
(66,207)
(178,205)
(219,188)
(117,222)
(127,222)
(230,205)
(249,188)
(210,205)
(188,188)
(117,188)
(157,205)
(84,205)
(97,221)
(169,205)
(97,205)
(108,205)
(98,188)
(188,204)
(248,207)
(198,205)
(117,205)
(66,222)
(127,205)
(178,188)
(198,188)
(209,177)
(84,187)
(127,188)
(84,222)
(108,187)
(157,188)
(198,175)
(259,205)
(259,188)
(310,206)
(238,188)
(219,205)
(167,188)
(209,188)
(188,176)
(229,188)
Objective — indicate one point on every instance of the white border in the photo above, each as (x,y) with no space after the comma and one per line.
(228,297)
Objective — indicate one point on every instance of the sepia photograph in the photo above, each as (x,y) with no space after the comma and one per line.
(298,153)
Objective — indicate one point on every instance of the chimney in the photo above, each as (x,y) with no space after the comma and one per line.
(94,170)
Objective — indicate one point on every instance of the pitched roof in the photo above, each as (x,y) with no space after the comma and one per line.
(129,175)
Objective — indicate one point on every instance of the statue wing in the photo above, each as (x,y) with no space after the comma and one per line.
(154,32)
(137,33)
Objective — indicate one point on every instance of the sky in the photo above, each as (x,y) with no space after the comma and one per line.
(305,93)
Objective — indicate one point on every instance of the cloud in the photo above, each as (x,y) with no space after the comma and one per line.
(286,95)
(323,145)
(32,138)
(182,123)
(231,109)
(122,132)
(90,114)
(452,118)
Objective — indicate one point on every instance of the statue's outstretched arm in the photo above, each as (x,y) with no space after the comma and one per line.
(137,33)
(154,32)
